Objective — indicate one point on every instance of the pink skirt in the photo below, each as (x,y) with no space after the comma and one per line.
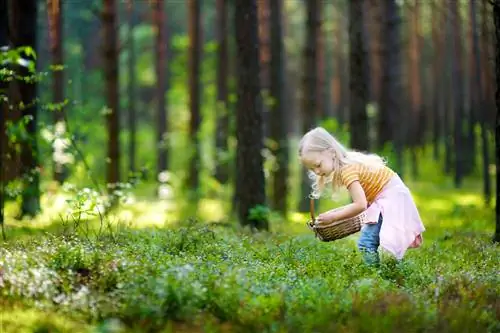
(402,226)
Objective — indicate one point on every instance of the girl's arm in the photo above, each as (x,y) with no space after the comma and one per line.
(358,205)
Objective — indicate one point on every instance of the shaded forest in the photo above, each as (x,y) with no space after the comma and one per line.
(180,120)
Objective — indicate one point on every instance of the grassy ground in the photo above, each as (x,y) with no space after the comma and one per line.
(147,272)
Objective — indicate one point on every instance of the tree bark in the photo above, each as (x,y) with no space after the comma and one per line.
(132,95)
(496,17)
(55,15)
(358,83)
(26,27)
(250,183)
(484,91)
(390,96)
(222,128)
(278,112)
(161,112)
(195,53)
(458,92)
(4,43)
(110,59)
(310,113)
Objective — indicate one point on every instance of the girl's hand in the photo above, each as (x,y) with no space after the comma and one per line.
(326,217)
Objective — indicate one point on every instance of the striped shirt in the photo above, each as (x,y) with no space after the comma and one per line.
(372,180)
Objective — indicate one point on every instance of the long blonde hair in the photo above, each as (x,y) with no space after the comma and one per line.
(321,141)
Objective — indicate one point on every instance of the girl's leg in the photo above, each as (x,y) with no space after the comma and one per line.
(369,242)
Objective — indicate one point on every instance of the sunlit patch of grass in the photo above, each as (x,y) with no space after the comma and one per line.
(20,319)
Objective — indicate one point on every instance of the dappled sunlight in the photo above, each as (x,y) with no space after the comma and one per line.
(211,210)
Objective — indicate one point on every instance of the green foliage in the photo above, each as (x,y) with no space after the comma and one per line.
(146,279)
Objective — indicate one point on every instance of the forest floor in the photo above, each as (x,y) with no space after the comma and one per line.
(137,273)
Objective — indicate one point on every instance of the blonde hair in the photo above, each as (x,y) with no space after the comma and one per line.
(321,141)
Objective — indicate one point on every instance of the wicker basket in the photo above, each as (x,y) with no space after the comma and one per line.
(337,229)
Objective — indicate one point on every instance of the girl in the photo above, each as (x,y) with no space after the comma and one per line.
(393,221)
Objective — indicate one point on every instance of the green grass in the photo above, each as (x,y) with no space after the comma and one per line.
(148,272)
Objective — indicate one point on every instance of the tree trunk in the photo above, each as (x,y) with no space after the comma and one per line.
(437,66)
(310,93)
(338,76)
(161,113)
(54,8)
(263,24)
(110,60)
(4,43)
(458,91)
(358,83)
(278,111)
(321,106)
(250,183)
(384,52)
(496,17)
(132,95)
(25,28)
(391,92)
(415,86)
(195,54)
(222,128)
(485,83)
(473,94)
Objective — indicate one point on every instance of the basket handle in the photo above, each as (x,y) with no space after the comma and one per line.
(311,209)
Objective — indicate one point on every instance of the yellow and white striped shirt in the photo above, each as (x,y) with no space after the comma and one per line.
(372,180)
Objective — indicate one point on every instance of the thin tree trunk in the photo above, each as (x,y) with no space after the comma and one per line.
(337,80)
(195,55)
(457,79)
(26,27)
(132,95)
(250,188)
(391,90)
(161,113)
(222,128)
(385,51)
(415,86)
(484,91)
(496,17)
(473,95)
(265,57)
(54,8)
(321,107)
(437,65)
(448,96)
(310,93)
(110,60)
(358,83)
(4,44)
(278,111)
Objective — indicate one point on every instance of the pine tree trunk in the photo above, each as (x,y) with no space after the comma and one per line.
(161,113)
(391,92)
(25,28)
(485,86)
(358,84)
(458,92)
(222,128)
(195,55)
(437,65)
(265,57)
(54,8)
(110,59)
(496,17)
(278,111)
(4,43)
(310,94)
(132,95)
(250,183)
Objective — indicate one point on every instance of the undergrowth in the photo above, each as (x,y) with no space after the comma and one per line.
(143,280)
